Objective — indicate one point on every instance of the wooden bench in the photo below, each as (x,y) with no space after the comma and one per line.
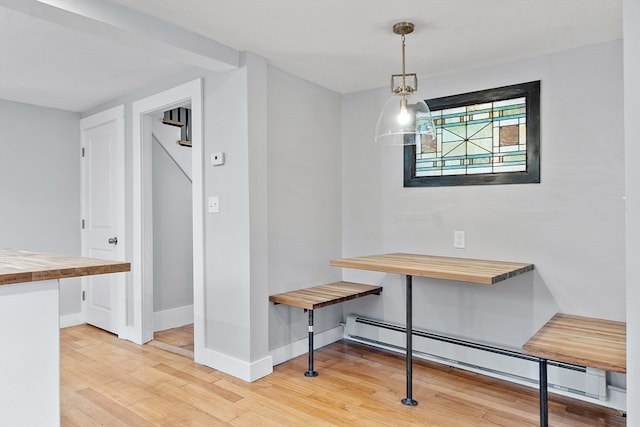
(321,296)
(577,340)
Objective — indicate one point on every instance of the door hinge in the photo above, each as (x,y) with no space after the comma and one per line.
(83,224)
(82,151)
(83,295)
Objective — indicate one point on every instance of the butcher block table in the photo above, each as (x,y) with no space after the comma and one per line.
(578,340)
(438,267)
(30,331)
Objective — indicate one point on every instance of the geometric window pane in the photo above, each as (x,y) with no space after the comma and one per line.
(509,135)
(484,137)
(468,132)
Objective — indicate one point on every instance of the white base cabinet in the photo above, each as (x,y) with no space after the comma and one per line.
(29,355)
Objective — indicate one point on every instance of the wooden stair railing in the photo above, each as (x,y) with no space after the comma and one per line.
(180,117)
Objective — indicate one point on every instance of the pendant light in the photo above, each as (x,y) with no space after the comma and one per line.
(405,119)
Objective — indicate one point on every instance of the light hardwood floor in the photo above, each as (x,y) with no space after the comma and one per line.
(176,340)
(181,337)
(110,382)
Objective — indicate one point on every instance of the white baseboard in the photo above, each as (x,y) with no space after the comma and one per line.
(252,371)
(172,318)
(246,371)
(68,320)
(297,348)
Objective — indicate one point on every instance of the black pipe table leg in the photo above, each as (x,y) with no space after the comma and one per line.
(311,372)
(409,356)
(544,408)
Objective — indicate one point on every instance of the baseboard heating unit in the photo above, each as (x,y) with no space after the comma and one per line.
(493,360)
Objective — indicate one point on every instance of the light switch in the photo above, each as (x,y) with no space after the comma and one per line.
(214,204)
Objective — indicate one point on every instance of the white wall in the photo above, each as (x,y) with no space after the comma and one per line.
(304,198)
(631,28)
(571,225)
(40,185)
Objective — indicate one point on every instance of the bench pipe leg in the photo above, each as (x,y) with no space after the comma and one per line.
(311,372)
(544,409)
(408,401)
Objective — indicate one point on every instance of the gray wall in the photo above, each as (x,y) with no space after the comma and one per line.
(172,233)
(40,185)
(632,136)
(304,178)
(227,233)
(571,225)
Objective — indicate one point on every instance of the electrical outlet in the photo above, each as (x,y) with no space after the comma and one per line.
(458,239)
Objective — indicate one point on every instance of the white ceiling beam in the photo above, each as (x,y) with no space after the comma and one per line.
(131,28)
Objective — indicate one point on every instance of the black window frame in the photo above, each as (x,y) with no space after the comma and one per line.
(530,90)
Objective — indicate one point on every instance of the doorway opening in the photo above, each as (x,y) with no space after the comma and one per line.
(171,189)
(168,240)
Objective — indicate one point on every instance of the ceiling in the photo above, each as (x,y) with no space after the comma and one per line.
(78,54)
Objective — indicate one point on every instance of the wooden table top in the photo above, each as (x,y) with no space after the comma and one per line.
(463,269)
(324,295)
(17,266)
(583,341)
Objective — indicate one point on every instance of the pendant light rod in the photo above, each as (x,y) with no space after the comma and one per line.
(403,28)
(404,73)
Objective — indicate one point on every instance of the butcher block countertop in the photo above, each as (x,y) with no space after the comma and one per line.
(18,266)
(439,267)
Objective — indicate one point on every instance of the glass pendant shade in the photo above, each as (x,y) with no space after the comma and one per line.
(404,120)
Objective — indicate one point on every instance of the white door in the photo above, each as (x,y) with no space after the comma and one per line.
(102,138)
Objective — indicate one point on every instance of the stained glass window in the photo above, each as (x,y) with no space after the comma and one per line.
(485,137)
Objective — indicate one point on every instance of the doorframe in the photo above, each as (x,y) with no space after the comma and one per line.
(112,114)
(141,326)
